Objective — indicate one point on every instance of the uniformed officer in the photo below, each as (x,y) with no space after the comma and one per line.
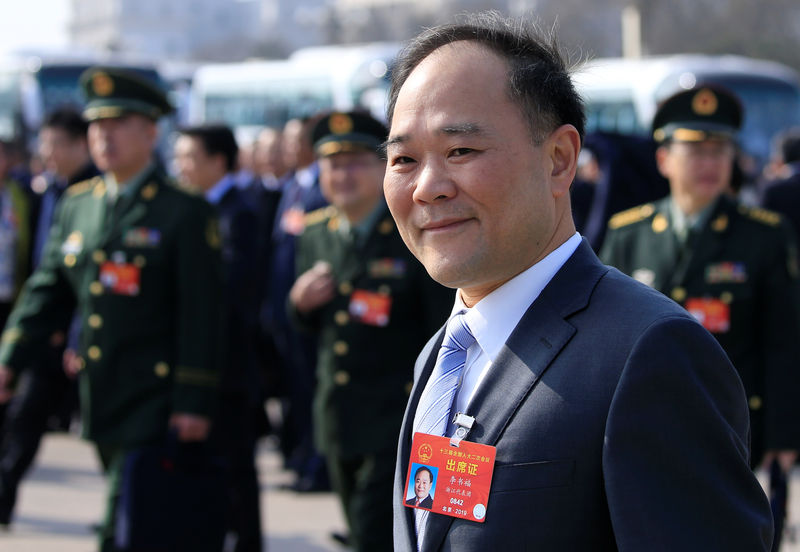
(734,267)
(139,260)
(373,306)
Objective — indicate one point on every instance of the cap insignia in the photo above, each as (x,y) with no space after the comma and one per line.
(339,123)
(102,85)
(705,102)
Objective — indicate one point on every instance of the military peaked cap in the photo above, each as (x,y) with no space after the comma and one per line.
(701,113)
(113,92)
(345,132)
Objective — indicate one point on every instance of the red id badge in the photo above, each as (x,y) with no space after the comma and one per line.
(120,278)
(713,314)
(444,479)
(370,308)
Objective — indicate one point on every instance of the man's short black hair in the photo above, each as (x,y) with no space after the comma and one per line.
(789,145)
(68,119)
(538,79)
(217,140)
(422,469)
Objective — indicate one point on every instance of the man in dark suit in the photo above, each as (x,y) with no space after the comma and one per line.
(360,292)
(138,260)
(617,421)
(46,390)
(422,486)
(206,158)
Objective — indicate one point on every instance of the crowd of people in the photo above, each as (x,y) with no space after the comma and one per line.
(168,301)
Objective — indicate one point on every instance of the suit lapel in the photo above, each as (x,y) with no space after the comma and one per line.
(537,340)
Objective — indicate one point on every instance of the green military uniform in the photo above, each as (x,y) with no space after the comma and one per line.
(141,268)
(366,353)
(134,271)
(385,309)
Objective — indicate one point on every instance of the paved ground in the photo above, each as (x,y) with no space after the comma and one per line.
(63,496)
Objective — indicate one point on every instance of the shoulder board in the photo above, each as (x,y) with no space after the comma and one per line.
(764,216)
(84,186)
(320,215)
(630,216)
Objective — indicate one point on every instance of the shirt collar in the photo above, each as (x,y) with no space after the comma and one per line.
(495,316)
(215,194)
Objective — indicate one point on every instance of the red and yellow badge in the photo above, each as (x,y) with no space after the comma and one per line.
(448,480)
(370,308)
(705,102)
(120,278)
(102,84)
(713,314)
(339,123)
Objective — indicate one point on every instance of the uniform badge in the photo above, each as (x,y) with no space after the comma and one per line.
(386,268)
(705,102)
(720,223)
(449,480)
(726,272)
(73,244)
(713,314)
(340,123)
(142,237)
(370,308)
(102,84)
(660,223)
(645,276)
(120,278)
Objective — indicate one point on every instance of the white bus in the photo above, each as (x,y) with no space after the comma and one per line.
(249,95)
(622,94)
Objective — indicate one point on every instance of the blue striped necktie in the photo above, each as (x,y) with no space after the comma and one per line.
(433,411)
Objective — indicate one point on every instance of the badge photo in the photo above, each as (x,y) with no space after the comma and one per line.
(460,477)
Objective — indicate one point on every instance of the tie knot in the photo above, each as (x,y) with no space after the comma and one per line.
(457,335)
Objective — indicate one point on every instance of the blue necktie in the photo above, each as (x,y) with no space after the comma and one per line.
(433,410)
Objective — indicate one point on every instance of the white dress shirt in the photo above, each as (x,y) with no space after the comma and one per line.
(495,316)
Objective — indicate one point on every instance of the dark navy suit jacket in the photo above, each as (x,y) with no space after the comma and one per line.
(619,424)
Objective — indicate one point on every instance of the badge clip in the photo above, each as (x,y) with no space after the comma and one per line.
(464,424)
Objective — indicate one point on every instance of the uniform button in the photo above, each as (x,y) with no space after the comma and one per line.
(409,387)
(678,294)
(726,297)
(94,352)
(161,369)
(340,348)
(96,288)
(384,290)
(345,288)
(95,321)
(139,261)
(69,260)
(341,378)
(341,317)
(99,256)
(755,402)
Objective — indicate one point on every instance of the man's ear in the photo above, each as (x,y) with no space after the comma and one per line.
(662,160)
(564,146)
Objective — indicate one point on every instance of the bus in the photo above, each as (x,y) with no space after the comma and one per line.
(250,95)
(622,95)
(31,86)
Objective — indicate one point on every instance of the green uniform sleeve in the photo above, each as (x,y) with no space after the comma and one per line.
(45,305)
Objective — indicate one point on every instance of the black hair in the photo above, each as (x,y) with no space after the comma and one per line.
(538,79)
(68,119)
(217,140)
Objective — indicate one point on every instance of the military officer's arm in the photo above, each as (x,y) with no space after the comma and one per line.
(199,293)
(43,310)
(314,287)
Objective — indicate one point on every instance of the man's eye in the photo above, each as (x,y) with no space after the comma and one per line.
(461,151)
(401,160)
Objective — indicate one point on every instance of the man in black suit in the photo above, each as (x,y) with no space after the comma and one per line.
(616,421)
(206,158)
(782,193)
(423,478)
